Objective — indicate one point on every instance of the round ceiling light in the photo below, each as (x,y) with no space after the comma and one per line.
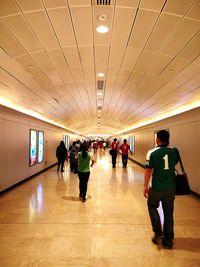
(102,29)
(100,74)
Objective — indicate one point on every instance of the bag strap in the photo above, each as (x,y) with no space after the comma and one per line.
(179,159)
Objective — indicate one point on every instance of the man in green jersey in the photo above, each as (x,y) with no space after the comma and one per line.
(160,166)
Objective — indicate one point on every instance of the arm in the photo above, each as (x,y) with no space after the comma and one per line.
(147,176)
(92,163)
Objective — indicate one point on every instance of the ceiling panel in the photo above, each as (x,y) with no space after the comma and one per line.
(62,25)
(51,54)
(30,5)
(183,34)
(22,32)
(42,28)
(101,56)
(125,15)
(178,7)
(8,7)
(145,20)
(9,43)
(82,18)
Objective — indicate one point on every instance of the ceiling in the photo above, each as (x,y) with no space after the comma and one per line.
(51,54)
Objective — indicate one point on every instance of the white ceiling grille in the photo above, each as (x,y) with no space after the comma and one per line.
(103,2)
(100,85)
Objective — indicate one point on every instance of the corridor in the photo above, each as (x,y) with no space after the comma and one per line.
(43,222)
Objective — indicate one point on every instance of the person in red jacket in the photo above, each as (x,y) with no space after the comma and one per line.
(125,148)
(114,147)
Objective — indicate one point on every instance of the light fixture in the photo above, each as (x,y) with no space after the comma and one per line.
(102,29)
(100,74)
(103,17)
(100,93)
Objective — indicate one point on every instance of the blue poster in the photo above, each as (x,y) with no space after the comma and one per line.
(33,148)
(40,146)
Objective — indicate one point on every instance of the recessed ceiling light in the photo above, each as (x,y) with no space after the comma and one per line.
(100,93)
(100,74)
(102,29)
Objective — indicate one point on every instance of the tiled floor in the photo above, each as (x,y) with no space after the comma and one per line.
(43,222)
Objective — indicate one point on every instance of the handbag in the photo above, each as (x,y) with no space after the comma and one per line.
(182,184)
(110,152)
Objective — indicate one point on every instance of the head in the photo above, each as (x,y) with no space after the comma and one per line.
(125,141)
(62,143)
(84,150)
(74,143)
(163,137)
(115,139)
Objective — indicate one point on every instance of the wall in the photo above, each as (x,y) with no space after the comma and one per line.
(14,146)
(184,134)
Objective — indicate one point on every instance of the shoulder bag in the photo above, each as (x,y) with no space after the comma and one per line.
(182,184)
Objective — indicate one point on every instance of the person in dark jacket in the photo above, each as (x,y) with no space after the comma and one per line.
(61,154)
(73,157)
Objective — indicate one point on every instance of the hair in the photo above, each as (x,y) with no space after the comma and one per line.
(62,143)
(125,141)
(163,135)
(74,143)
(84,151)
(115,139)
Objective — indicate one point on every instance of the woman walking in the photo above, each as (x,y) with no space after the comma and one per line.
(84,159)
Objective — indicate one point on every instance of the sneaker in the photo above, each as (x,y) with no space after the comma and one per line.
(165,245)
(157,239)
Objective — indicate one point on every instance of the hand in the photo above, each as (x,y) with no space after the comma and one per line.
(146,192)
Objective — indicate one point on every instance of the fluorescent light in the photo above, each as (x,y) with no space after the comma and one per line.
(102,29)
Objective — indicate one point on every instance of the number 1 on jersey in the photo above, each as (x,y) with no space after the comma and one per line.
(166,162)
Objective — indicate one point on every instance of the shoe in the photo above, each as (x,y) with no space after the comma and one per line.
(165,245)
(83,199)
(157,239)
(62,170)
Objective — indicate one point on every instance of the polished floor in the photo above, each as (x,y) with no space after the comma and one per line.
(43,222)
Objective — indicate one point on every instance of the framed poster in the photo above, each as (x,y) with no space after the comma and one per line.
(33,147)
(40,155)
(132,144)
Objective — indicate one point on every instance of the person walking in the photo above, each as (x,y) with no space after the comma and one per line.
(114,148)
(160,164)
(73,157)
(125,148)
(61,154)
(84,159)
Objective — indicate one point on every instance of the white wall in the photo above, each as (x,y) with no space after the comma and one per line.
(184,134)
(14,146)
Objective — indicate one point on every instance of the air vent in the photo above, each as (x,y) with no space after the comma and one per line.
(103,2)
(100,85)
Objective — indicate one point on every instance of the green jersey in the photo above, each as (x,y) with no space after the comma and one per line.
(83,163)
(162,160)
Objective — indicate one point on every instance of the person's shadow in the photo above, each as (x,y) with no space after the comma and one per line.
(187,244)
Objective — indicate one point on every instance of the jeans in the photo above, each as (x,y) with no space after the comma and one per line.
(114,157)
(167,200)
(124,160)
(83,181)
(61,163)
